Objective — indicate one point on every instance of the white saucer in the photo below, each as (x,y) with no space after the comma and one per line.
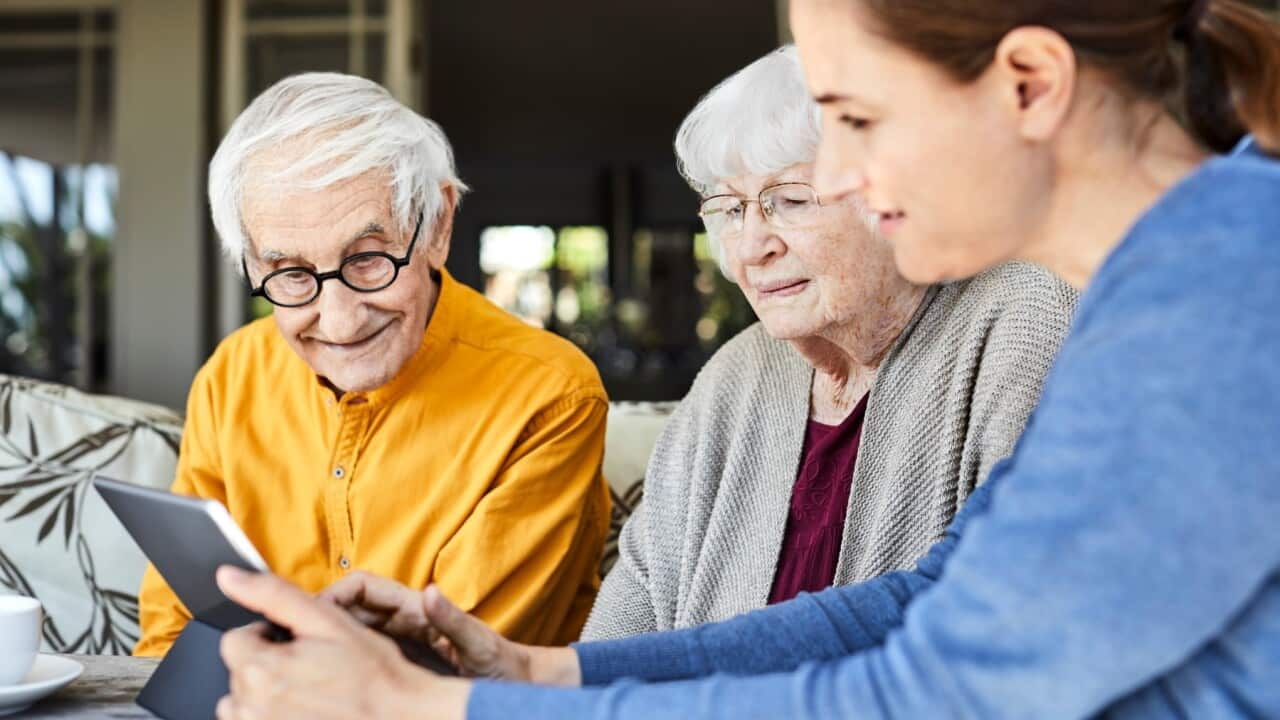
(50,674)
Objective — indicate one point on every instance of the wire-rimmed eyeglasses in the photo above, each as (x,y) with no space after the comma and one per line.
(364,272)
(785,205)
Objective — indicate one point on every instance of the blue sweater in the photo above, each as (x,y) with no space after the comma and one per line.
(1125,560)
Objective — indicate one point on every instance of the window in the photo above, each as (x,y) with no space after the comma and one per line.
(57,191)
(554,279)
(649,338)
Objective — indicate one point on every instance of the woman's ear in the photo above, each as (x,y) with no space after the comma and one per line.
(1035,72)
(442,227)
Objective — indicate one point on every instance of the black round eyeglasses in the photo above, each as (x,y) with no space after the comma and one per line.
(364,272)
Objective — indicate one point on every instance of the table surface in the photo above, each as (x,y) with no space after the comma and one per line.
(105,690)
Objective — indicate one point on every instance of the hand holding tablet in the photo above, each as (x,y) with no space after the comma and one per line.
(189,538)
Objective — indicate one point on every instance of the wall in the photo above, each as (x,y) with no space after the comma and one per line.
(159,122)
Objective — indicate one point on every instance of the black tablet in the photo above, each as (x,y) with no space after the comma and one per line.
(187,539)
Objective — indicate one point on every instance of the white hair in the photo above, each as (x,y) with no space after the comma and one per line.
(759,121)
(351,126)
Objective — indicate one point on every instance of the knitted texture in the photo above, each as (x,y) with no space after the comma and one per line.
(949,400)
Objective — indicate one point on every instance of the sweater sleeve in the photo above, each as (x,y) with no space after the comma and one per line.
(823,626)
(1019,348)
(624,606)
(1065,596)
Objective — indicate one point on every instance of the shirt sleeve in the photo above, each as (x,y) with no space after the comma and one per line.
(1067,595)
(162,616)
(527,559)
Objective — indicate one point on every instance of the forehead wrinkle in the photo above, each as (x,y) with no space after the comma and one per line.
(270,255)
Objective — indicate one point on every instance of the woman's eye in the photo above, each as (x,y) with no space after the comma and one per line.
(856,123)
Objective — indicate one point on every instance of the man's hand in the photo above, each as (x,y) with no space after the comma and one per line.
(429,617)
(334,667)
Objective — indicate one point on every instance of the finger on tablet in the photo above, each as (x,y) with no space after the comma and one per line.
(279,601)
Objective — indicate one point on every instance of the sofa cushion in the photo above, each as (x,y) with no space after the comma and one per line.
(633,428)
(58,540)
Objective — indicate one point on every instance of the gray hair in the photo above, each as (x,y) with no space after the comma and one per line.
(761,120)
(357,127)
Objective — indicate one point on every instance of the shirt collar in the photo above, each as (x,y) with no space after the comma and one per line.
(1247,146)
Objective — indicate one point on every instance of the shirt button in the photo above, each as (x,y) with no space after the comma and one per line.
(344,562)
(338,472)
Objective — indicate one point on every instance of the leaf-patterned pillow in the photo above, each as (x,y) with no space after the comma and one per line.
(58,541)
(632,431)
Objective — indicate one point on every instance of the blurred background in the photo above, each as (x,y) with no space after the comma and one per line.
(561,114)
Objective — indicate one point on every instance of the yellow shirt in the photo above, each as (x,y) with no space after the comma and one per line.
(477,468)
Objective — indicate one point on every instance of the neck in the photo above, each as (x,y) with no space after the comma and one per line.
(845,357)
(1100,190)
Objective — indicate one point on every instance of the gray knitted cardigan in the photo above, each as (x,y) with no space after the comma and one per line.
(949,400)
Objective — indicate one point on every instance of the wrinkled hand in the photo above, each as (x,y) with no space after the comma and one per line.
(334,667)
(429,617)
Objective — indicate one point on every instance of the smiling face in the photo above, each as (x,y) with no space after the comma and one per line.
(356,341)
(957,188)
(805,281)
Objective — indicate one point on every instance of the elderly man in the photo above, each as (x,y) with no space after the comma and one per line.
(386,418)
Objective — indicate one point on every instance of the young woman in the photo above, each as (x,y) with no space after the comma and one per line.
(1126,559)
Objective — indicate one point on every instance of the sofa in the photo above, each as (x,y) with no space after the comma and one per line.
(60,543)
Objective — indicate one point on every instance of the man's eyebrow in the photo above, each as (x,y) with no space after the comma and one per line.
(270,255)
(372,228)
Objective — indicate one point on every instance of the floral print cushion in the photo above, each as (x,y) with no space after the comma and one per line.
(633,428)
(58,541)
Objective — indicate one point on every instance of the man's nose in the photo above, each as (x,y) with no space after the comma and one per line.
(343,312)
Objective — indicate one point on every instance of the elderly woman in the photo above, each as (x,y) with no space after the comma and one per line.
(833,441)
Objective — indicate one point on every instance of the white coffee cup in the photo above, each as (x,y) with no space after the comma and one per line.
(19,637)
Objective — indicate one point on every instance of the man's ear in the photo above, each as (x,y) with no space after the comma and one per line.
(1035,73)
(442,227)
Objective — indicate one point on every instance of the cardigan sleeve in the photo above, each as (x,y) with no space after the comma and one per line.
(624,606)
(813,627)
(1019,347)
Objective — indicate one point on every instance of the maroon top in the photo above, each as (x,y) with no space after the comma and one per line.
(815,525)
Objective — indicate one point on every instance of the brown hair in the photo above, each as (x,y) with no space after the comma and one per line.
(1219,60)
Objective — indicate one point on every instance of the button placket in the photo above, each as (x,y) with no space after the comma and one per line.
(351,424)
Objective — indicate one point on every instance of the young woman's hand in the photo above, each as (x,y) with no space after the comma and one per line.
(429,617)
